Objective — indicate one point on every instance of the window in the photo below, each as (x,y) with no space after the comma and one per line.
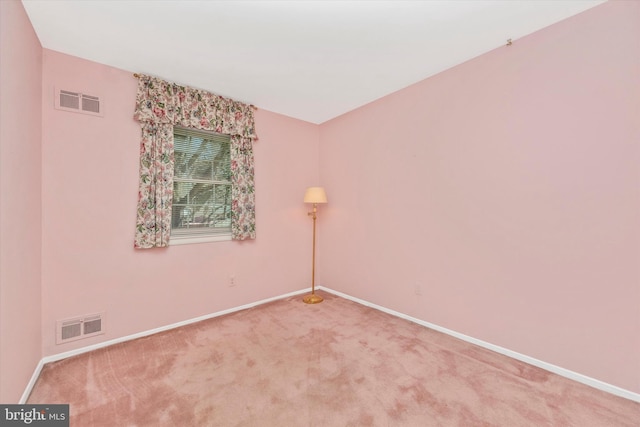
(201,187)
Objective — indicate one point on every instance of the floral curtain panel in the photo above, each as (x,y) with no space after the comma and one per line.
(159,106)
(155,193)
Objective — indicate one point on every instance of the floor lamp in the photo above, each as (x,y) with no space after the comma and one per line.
(314,195)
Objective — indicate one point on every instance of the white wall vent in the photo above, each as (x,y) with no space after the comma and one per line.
(78,102)
(79,327)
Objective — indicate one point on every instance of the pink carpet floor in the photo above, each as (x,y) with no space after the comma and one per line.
(337,363)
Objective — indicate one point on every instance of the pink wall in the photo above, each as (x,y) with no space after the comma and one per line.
(505,191)
(90,184)
(20,206)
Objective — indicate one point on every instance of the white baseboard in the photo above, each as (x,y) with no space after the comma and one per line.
(592,382)
(32,382)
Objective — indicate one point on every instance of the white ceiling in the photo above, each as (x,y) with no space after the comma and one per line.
(312,60)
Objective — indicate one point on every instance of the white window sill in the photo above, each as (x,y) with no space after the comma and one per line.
(192,240)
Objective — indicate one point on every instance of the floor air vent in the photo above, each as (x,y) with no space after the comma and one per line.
(79,328)
(68,100)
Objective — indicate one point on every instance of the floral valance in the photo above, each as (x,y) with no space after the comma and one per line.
(159,101)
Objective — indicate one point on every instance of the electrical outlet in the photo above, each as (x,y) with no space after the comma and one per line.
(418,289)
(232,281)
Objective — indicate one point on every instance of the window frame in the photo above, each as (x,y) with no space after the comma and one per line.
(199,236)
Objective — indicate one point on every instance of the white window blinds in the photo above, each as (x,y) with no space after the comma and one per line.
(201,184)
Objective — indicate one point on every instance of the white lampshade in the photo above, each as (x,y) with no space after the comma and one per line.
(315,195)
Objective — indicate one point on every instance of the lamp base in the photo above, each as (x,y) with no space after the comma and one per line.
(312,299)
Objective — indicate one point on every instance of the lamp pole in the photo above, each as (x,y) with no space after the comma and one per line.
(314,195)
